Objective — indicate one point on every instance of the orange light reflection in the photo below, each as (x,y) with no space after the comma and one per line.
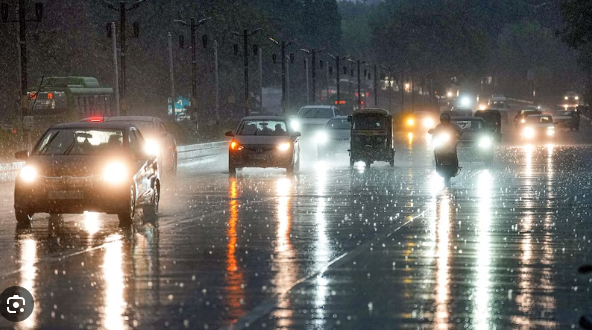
(234,286)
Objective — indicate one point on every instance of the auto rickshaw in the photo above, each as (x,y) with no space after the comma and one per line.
(493,121)
(371,137)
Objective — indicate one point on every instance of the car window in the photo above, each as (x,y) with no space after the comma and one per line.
(315,113)
(163,127)
(79,142)
(369,122)
(339,123)
(262,127)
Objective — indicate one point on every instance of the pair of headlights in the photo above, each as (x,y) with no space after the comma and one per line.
(530,133)
(115,173)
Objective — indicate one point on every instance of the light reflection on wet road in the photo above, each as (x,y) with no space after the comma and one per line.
(376,248)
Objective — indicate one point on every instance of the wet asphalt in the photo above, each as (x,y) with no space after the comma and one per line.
(328,248)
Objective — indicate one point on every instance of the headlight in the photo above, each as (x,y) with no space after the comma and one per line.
(528,133)
(523,121)
(152,147)
(28,174)
(284,146)
(428,123)
(295,125)
(410,122)
(322,138)
(115,173)
(440,139)
(485,143)
(235,146)
(550,131)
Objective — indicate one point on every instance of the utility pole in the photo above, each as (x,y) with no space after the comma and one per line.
(172,75)
(123,9)
(402,86)
(116,68)
(260,53)
(246,34)
(375,86)
(314,75)
(307,81)
(338,60)
(193,25)
(412,94)
(359,83)
(283,45)
(21,22)
(217,78)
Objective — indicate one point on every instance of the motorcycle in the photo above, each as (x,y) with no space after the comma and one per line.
(444,145)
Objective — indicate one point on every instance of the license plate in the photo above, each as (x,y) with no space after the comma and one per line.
(71,194)
(259,157)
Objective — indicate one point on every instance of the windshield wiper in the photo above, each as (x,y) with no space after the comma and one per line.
(70,147)
(46,146)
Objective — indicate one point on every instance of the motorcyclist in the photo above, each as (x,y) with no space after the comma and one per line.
(451,128)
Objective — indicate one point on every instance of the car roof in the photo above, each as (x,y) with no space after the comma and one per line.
(466,118)
(318,106)
(132,118)
(103,125)
(274,118)
(372,111)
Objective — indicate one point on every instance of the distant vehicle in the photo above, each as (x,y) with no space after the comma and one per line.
(493,121)
(476,135)
(521,116)
(571,99)
(264,141)
(66,99)
(334,137)
(500,103)
(313,117)
(77,167)
(567,119)
(371,137)
(420,121)
(538,127)
(159,141)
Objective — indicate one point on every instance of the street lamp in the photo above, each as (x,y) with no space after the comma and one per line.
(246,34)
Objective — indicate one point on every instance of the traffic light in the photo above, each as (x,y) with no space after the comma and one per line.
(291,58)
(136,28)
(274,58)
(256,50)
(204,40)
(235,49)
(39,11)
(4,11)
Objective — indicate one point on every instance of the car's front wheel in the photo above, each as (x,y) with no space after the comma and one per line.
(23,217)
(126,215)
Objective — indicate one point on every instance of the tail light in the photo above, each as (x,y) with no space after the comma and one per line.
(235,146)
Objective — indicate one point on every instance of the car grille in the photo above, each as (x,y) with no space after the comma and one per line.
(69,182)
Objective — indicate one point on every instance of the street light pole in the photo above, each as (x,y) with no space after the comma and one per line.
(217,78)
(375,86)
(359,82)
(314,75)
(246,34)
(171,74)
(115,68)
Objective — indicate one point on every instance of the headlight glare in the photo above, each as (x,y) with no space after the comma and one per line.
(485,143)
(550,131)
(428,123)
(152,147)
(28,174)
(410,122)
(528,133)
(440,139)
(322,137)
(284,146)
(295,125)
(115,173)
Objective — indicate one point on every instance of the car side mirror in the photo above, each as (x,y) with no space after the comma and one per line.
(229,133)
(22,155)
(296,134)
(431,131)
(349,119)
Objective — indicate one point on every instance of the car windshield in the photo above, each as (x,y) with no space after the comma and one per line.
(369,122)
(315,113)
(539,119)
(470,125)
(338,123)
(79,142)
(262,127)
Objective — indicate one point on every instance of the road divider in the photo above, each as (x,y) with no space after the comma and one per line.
(9,170)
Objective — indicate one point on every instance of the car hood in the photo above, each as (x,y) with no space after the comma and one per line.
(261,140)
(75,166)
(473,135)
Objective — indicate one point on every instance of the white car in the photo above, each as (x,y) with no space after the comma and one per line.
(313,117)
(538,128)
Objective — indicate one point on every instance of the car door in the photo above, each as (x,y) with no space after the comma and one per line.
(170,145)
(143,166)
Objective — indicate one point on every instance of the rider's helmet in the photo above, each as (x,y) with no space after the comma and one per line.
(444,118)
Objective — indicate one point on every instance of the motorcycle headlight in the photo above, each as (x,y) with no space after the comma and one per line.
(28,174)
(440,139)
(284,146)
(428,123)
(410,122)
(485,143)
(295,125)
(523,121)
(115,173)
(322,137)
(152,147)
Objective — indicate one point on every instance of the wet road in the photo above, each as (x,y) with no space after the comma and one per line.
(377,248)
